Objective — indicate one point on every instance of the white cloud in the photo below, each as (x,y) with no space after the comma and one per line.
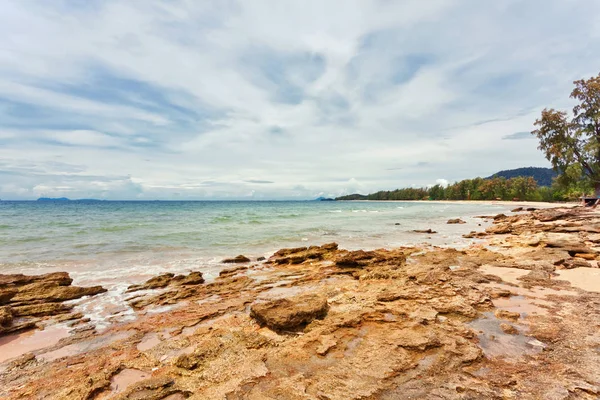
(182,99)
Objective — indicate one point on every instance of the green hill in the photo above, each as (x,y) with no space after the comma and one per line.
(543,176)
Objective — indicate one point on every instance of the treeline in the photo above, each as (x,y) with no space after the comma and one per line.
(522,188)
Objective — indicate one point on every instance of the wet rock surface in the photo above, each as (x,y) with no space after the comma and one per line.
(497,320)
(26,300)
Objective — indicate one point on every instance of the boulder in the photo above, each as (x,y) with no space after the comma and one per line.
(236,260)
(455,221)
(290,313)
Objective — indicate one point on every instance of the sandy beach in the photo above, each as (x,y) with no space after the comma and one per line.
(514,315)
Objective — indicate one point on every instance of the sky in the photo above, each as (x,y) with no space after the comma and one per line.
(225,99)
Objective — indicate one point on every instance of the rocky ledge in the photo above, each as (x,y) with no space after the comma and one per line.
(514,316)
(27,300)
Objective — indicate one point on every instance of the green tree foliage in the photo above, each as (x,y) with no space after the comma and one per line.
(517,188)
(573,144)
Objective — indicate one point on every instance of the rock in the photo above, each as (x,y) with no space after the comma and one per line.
(6,316)
(499,217)
(236,260)
(397,224)
(586,256)
(499,229)
(355,259)
(41,310)
(6,294)
(508,329)
(286,252)
(327,342)
(193,278)
(424,231)
(232,271)
(416,339)
(505,314)
(456,221)
(302,254)
(531,209)
(518,209)
(49,291)
(58,278)
(474,234)
(261,259)
(290,313)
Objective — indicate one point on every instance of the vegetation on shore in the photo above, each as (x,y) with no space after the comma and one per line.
(520,188)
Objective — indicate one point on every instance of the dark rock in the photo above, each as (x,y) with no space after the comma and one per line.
(499,217)
(290,313)
(7,294)
(518,209)
(261,259)
(193,278)
(235,260)
(356,259)
(424,231)
(456,221)
(397,223)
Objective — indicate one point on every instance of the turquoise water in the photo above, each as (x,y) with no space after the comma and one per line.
(119,243)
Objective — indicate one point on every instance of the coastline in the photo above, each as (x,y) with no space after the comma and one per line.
(498,319)
(539,204)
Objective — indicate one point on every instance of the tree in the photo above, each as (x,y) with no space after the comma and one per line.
(575,141)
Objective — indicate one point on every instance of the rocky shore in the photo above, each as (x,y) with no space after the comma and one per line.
(514,316)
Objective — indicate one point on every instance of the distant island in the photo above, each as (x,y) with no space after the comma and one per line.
(63,199)
(53,199)
(324,199)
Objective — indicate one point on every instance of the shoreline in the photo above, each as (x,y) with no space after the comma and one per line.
(460,320)
(540,204)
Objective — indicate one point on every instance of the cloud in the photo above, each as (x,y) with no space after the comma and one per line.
(187,100)
(518,136)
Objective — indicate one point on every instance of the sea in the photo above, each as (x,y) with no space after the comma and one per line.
(119,243)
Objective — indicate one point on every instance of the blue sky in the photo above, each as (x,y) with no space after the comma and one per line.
(258,99)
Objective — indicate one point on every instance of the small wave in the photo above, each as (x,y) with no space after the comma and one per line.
(357,211)
(400,207)
(116,228)
(335,211)
(221,219)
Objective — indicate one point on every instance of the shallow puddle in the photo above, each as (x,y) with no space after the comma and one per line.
(510,275)
(495,343)
(121,381)
(15,345)
(149,341)
(523,305)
